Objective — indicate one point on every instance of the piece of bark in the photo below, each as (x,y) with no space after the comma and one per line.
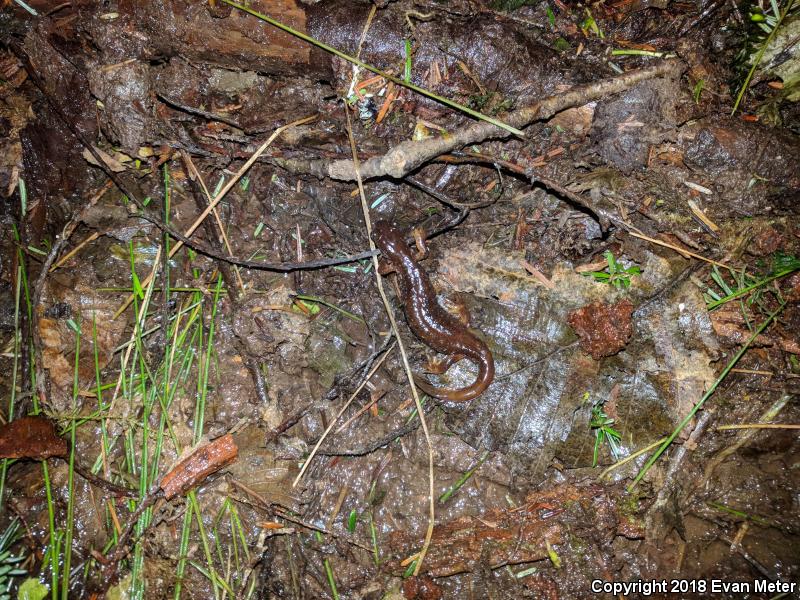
(604,329)
(31,437)
(195,468)
(563,515)
(203,34)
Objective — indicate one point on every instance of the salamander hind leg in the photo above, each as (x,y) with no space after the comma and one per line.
(438,366)
(456,307)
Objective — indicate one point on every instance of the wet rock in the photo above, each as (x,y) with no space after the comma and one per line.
(753,167)
(625,127)
(127,111)
(533,408)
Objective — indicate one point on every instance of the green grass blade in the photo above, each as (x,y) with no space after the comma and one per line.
(463,479)
(71,475)
(331,581)
(183,551)
(14,372)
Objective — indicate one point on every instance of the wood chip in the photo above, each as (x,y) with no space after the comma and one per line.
(195,468)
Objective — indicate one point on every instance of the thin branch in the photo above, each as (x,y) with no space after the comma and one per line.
(376,444)
(409,155)
(282,267)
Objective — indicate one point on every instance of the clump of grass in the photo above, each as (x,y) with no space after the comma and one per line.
(604,433)
(768,21)
(615,274)
(193,514)
(9,562)
(150,387)
(736,285)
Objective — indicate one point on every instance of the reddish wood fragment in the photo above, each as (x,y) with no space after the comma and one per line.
(506,538)
(730,325)
(513,536)
(31,437)
(421,588)
(604,329)
(201,463)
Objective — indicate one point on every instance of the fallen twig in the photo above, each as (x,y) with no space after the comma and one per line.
(407,156)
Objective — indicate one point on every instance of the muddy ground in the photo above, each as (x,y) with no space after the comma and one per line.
(628,253)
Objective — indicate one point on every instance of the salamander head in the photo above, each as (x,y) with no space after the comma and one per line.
(389,240)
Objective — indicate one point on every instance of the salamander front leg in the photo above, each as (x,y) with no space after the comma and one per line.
(419,241)
(385,267)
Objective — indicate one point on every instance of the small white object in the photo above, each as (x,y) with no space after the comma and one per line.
(698,188)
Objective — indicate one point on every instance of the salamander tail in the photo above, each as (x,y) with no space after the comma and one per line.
(485,377)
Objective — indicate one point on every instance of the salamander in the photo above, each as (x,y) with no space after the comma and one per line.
(431,323)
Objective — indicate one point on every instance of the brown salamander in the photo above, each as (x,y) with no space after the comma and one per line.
(431,323)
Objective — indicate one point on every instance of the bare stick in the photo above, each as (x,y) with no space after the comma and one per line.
(407,156)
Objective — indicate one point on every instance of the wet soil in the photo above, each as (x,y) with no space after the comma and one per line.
(191,368)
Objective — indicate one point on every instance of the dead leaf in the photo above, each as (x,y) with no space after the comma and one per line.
(31,437)
(112,163)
